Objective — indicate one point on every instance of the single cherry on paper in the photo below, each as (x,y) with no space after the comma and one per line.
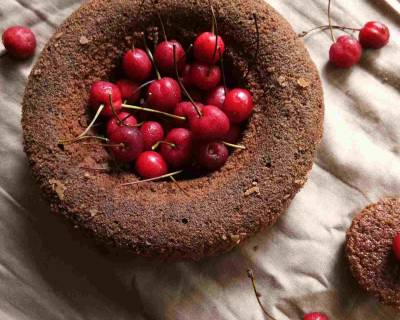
(315,316)
(124,119)
(238,105)
(20,42)
(374,35)
(205,50)
(164,94)
(150,164)
(126,144)
(213,124)
(204,77)
(137,65)
(100,95)
(129,90)
(176,149)
(345,52)
(164,57)
(152,132)
(212,156)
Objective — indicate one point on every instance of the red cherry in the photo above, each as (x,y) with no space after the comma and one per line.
(164,56)
(345,52)
(374,35)
(125,117)
(315,316)
(164,94)
(187,110)
(100,95)
(396,246)
(20,42)
(212,125)
(216,97)
(180,153)
(137,65)
(238,105)
(186,76)
(204,48)
(151,164)
(129,90)
(131,141)
(204,77)
(212,156)
(233,134)
(152,133)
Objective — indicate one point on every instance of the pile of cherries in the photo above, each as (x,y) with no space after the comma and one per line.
(195,116)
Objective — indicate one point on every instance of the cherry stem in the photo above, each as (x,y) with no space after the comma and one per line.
(155,146)
(221,62)
(170,115)
(142,86)
(104,144)
(177,184)
(215,31)
(182,86)
(257,45)
(146,47)
(250,274)
(232,145)
(115,115)
(153,179)
(162,26)
(322,28)
(330,21)
(67,141)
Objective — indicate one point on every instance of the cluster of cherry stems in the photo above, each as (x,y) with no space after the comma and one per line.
(197,130)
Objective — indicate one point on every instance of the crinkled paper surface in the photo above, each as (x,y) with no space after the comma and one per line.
(48,272)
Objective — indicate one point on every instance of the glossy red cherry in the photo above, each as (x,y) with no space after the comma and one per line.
(164,57)
(233,134)
(212,156)
(345,52)
(151,164)
(100,95)
(177,152)
(131,141)
(238,105)
(187,110)
(204,77)
(204,48)
(212,125)
(186,76)
(374,35)
(137,65)
(20,42)
(129,90)
(164,94)
(315,316)
(126,118)
(152,132)
(216,97)
(396,246)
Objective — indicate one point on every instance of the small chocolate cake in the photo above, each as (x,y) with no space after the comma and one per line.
(369,250)
(217,210)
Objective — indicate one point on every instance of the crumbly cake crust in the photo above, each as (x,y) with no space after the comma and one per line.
(158,219)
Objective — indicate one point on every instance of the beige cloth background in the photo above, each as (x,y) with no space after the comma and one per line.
(48,272)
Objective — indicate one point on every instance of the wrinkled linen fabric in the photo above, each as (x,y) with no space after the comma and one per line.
(49,272)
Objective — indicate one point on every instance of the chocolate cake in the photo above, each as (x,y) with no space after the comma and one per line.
(369,250)
(217,211)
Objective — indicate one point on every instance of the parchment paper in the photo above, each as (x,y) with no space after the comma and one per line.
(48,272)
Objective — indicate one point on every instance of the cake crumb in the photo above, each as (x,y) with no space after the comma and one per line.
(58,187)
(304,83)
(58,35)
(83,40)
(251,191)
(93,212)
(282,81)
